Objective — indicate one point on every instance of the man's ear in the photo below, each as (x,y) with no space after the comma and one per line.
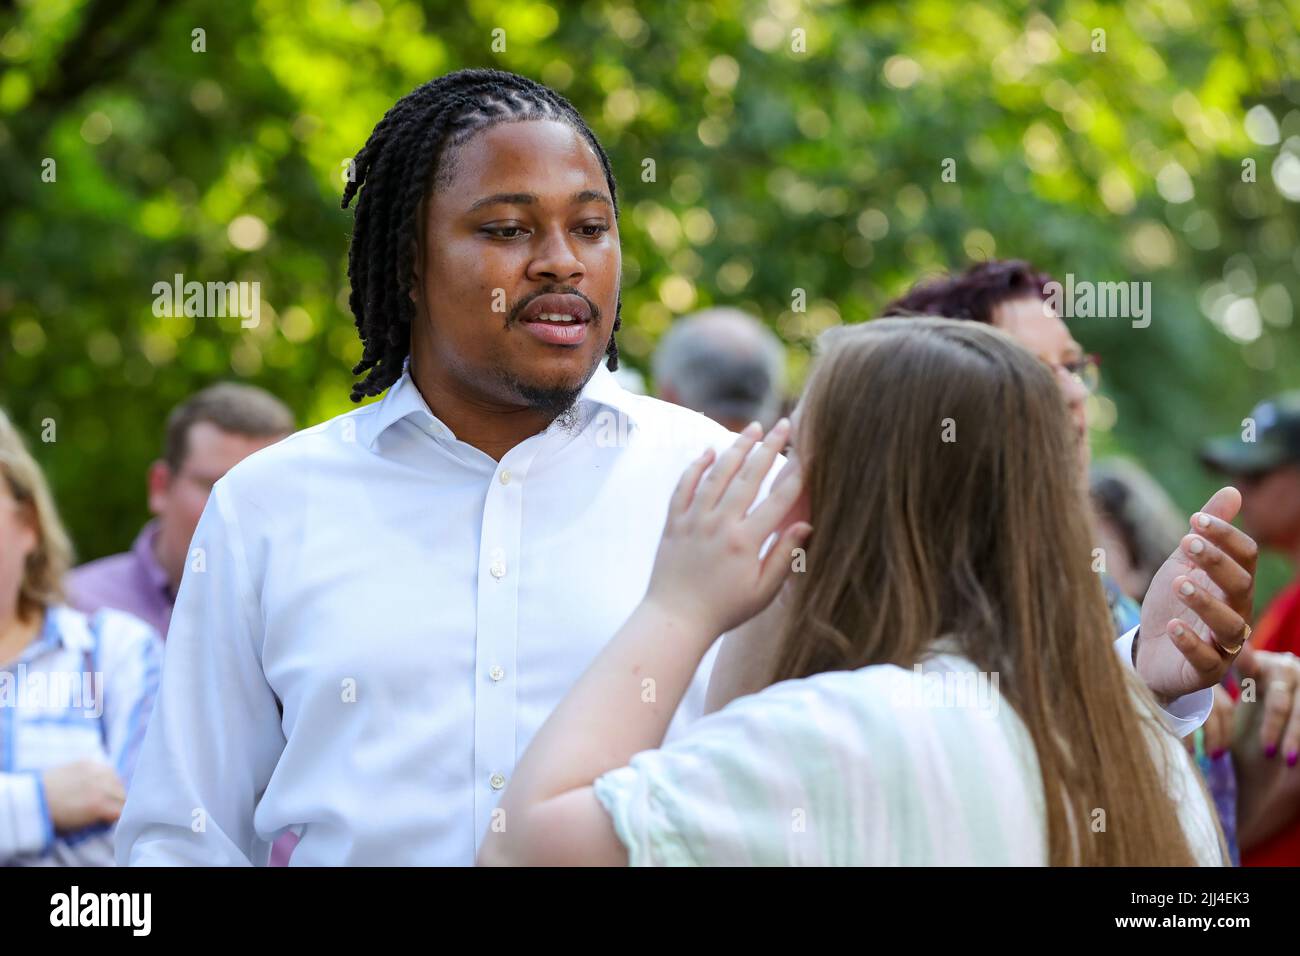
(160,484)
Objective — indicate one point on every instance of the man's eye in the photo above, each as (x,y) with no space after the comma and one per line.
(596,229)
(505,232)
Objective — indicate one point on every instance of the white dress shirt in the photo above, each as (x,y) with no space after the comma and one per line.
(415,608)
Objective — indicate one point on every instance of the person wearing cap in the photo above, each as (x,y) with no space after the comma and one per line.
(1263,462)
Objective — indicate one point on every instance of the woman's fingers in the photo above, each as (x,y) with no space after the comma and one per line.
(773,509)
(729,462)
(740,494)
(1277,678)
(778,564)
(1291,736)
(684,493)
(1218,726)
(1278,702)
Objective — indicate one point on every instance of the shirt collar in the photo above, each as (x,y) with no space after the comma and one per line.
(142,551)
(404,401)
(62,626)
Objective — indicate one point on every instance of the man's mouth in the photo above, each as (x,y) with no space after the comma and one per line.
(557,319)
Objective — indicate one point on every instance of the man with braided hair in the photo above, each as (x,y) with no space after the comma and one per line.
(379,612)
(439,118)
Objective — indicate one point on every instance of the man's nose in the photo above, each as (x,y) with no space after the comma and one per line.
(556,261)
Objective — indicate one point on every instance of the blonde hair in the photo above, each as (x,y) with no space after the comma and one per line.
(42,584)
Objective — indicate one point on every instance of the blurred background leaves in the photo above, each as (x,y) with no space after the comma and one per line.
(795,146)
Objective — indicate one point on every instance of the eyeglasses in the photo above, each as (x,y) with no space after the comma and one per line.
(1086,371)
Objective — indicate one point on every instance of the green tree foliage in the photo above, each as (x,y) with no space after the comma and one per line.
(840,149)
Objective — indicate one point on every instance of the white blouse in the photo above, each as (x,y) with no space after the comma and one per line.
(880,766)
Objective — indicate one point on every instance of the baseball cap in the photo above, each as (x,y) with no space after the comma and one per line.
(1276,434)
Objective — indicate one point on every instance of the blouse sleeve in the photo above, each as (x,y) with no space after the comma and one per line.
(745,786)
(843,768)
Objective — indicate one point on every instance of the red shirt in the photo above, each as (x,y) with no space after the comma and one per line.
(1279,630)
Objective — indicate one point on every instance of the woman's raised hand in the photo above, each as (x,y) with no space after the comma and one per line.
(708,570)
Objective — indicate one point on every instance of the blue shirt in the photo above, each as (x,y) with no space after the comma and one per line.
(82,690)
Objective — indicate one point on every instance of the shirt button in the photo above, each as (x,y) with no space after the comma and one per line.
(497,781)
(505,477)
(496,672)
(498,569)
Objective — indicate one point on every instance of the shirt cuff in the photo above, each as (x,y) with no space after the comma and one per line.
(30,814)
(1183,715)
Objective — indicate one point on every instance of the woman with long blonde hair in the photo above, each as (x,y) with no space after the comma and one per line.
(942,689)
(76,691)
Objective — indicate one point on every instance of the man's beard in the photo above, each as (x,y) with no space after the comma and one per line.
(559,402)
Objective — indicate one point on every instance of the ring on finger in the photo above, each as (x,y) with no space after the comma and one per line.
(1233,650)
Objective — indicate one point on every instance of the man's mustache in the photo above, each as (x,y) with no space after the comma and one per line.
(523,303)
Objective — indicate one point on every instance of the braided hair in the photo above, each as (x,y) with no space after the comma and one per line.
(404,158)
